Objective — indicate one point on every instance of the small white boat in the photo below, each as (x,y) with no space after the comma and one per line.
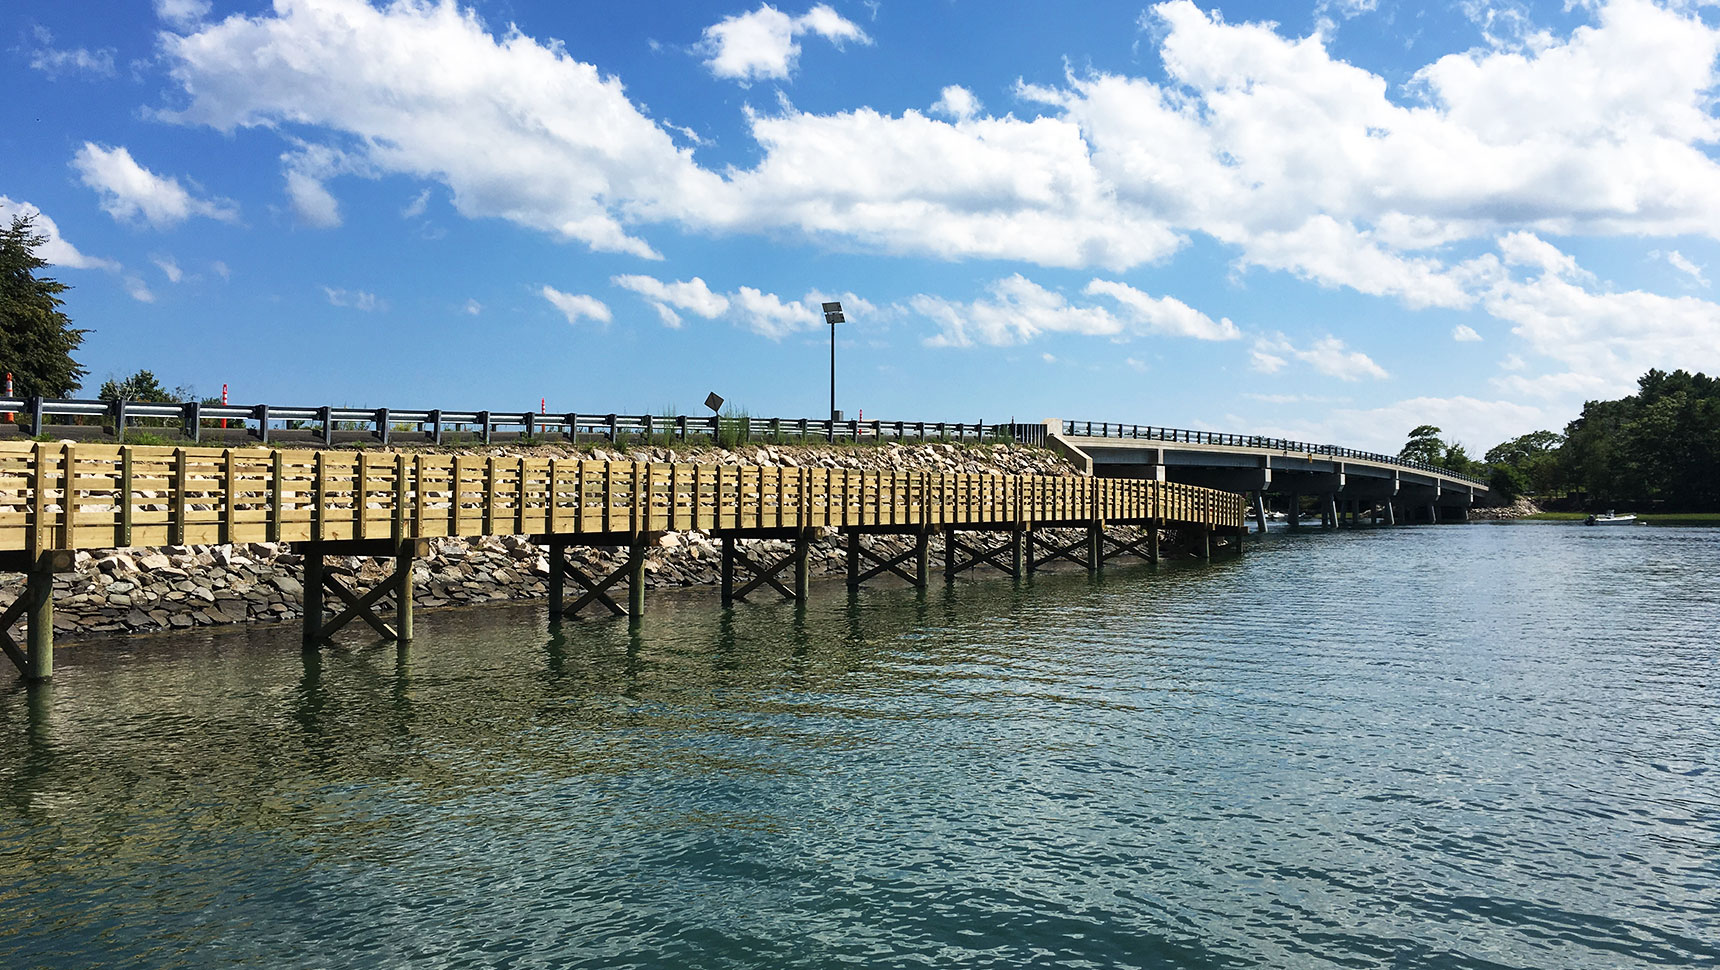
(1611,518)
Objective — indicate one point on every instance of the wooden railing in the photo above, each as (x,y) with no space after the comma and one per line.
(56,496)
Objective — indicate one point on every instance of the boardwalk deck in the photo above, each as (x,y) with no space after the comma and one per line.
(59,497)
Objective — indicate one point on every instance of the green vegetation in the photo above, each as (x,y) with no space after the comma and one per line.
(36,339)
(1656,449)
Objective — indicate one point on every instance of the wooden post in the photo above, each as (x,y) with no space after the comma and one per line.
(802,547)
(403,588)
(1095,546)
(1153,541)
(313,597)
(39,619)
(922,559)
(950,553)
(853,560)
(1205,541)
(557,577)
(1017,535)
(728,571)
(636,573)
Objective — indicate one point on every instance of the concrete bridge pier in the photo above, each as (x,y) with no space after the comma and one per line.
(1260,512)
(35,660)
(1295,511)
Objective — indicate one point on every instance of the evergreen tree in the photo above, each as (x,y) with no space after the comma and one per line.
(36,339)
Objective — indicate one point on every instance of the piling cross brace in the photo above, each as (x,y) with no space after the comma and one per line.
(955,549)
(397,585)
(632,569)
(1123,547)
(35,659)
(859,555)
(763,575)
(1053,551)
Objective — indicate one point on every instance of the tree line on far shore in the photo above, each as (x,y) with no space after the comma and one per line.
(1656,449)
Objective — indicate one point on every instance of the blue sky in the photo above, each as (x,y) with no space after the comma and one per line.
(1334,221)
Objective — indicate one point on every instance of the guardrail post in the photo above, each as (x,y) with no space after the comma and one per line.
(191,421)
(262,416)
(615,429)
(382,425)
(650,428)
(36,416)
(572,426)
(436,426)
(484,417)
(531,425)
(681,426)
(118,408)
(327,426)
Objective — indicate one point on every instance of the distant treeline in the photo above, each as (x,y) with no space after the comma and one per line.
(1658,448)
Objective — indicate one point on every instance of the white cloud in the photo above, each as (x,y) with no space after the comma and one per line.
(1464,333)
(137,289)
(763,313)
(957,103)
(183,14)
(1298,161)
(169,268)
(356,299)
(762,45)
(1683,264)
(1476,423)
(132,193)
(472,308)
(57,63)
(1328,355)
(1017,310)
(515,128)
(312,202)
(1164,315)
(416,207)
(54,248)
(577,306)
(692,296)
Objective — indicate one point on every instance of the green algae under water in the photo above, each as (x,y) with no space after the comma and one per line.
(1477,746)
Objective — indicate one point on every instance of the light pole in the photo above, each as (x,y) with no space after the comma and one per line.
(833,316)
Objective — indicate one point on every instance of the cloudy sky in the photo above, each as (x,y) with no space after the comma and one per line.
(1334,220)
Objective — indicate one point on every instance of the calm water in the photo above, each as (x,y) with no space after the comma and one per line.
(1483,746)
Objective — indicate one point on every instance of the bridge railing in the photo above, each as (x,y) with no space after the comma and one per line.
(327,424)
(1104,429)
(59,496)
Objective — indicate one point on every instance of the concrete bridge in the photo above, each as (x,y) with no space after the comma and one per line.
(1344,482)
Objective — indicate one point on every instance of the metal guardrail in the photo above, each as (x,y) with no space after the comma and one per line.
(1101,429)
(265,422)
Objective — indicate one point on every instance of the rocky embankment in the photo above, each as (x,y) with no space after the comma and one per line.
(1522,508)
(139,590)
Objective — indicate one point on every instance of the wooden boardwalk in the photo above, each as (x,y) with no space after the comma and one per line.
(56,498)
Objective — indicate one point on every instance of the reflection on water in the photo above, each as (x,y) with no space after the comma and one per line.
(1474,747)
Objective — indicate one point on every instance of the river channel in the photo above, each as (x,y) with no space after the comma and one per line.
(1491,745)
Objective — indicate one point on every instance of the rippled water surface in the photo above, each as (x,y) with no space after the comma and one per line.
(1481,746)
